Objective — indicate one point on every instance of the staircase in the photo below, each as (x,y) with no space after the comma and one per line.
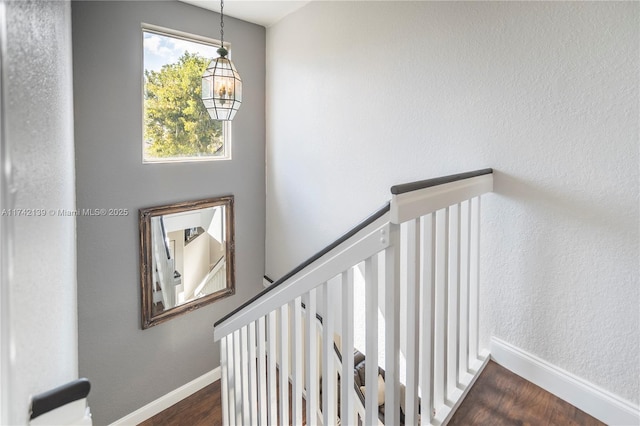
(401,288)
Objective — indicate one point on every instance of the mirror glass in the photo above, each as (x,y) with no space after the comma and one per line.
(187,257)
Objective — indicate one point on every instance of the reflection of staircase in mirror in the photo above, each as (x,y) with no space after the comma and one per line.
(158,306)
(214,281)
(158,303)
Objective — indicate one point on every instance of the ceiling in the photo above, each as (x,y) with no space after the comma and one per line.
(261,12)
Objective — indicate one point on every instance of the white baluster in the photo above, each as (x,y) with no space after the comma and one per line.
(244,371)
(232,379)
(329,385)
(428,317)
(392,328)
(238,376)
(271,374)
(475,279)
(262,373)
(346,400)
(297,343)
(371,325)
(253,382)
(465,241)
(311,366)
(412,329)
(440,354)
(224,380)
(284,365)
(454,285)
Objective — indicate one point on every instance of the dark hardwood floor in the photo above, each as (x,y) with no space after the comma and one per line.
(499,397)
(203,408)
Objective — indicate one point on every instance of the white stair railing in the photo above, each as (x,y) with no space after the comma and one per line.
(424,250)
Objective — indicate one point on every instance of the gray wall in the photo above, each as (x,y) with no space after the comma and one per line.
(130,367)
(544,92)
(39,138)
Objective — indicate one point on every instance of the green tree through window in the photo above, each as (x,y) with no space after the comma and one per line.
(176,123)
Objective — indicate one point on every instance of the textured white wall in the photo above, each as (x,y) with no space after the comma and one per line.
(39,120)
(364,95)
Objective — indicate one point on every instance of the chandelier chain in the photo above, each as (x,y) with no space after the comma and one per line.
(222,23)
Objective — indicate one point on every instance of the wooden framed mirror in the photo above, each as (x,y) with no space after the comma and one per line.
(186,257)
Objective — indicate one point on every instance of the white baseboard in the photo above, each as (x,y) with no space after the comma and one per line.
(591,399)
(166,401)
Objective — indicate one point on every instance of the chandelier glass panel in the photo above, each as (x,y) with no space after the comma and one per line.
(221,83)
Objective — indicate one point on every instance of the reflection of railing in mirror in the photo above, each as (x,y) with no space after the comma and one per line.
(214,281)
(187,256)
(186,271)
(163,266)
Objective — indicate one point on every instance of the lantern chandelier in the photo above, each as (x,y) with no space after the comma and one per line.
(221,83)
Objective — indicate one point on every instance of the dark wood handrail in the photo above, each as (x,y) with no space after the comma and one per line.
(309,261)
(428,183)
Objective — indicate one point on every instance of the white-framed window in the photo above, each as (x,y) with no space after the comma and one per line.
(176,124)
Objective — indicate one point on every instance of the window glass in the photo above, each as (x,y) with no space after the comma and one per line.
(177,126)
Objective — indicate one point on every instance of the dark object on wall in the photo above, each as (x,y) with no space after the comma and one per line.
(58,397)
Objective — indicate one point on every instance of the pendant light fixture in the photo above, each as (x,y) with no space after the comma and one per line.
(221,83)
